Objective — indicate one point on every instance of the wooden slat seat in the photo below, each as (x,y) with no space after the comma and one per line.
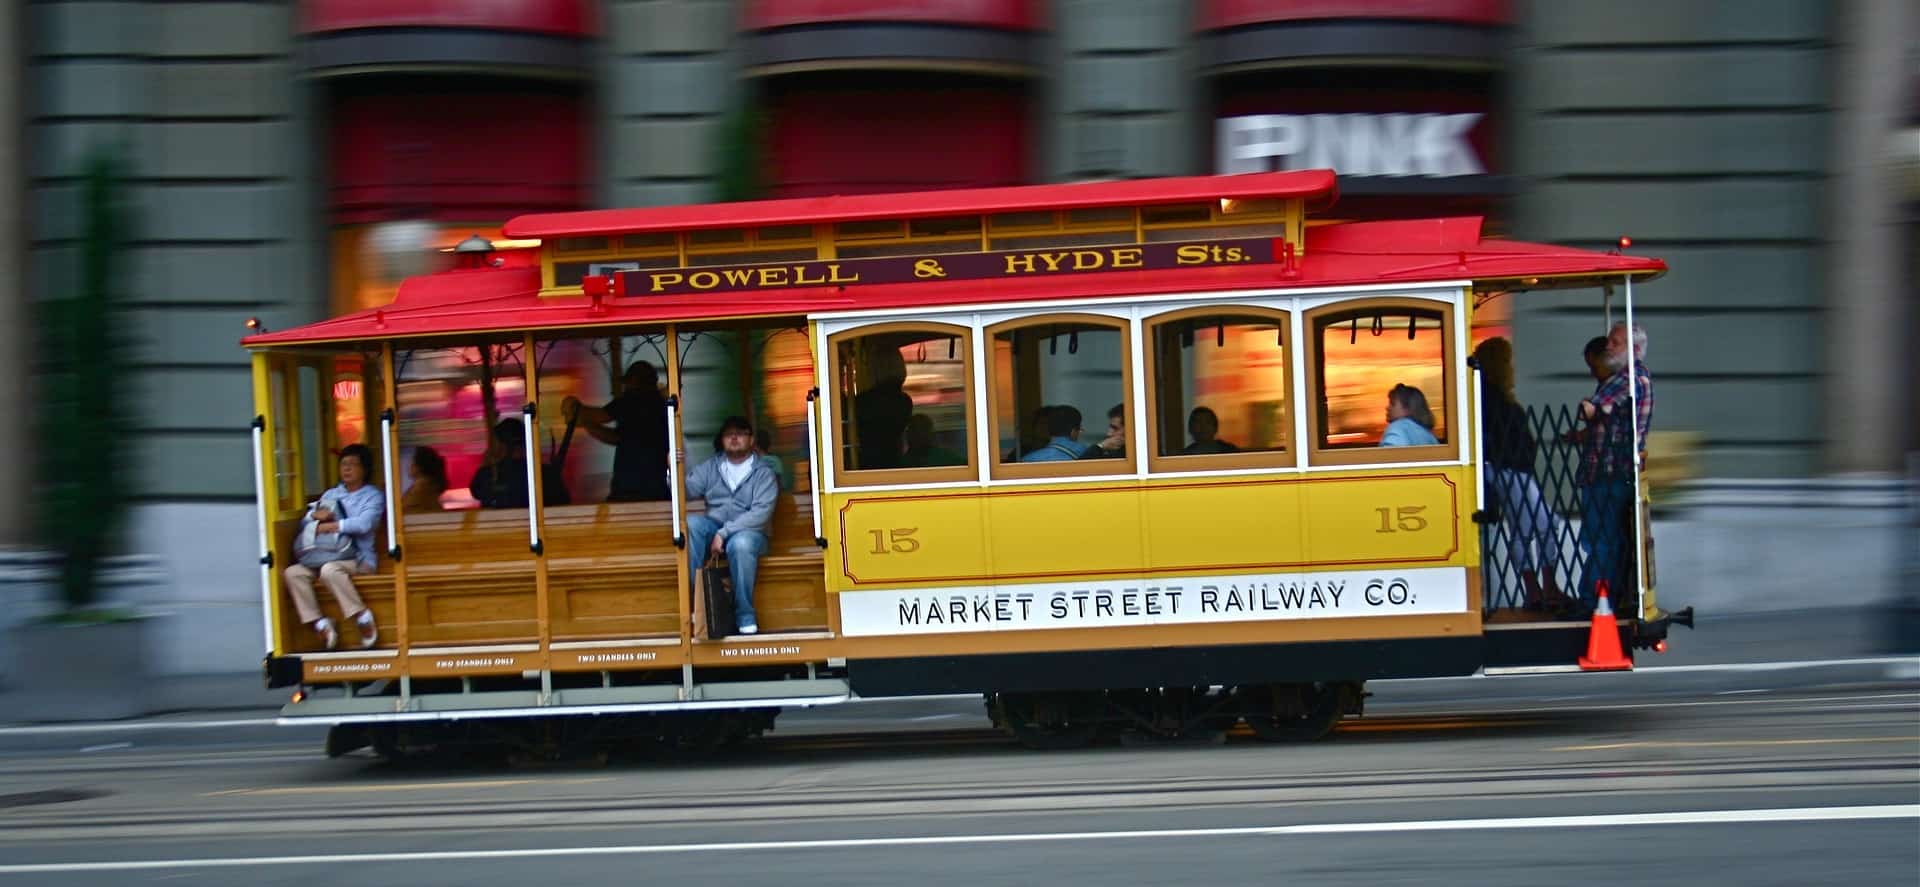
(612,569)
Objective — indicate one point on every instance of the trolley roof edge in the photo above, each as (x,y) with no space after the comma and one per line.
(1317,186)
(510,299)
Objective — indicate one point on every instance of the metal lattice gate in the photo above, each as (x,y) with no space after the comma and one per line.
(1553,539)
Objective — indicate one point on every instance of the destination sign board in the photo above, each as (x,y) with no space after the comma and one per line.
(952,266)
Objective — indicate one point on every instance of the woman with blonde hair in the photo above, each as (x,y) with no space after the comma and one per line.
(1531,527)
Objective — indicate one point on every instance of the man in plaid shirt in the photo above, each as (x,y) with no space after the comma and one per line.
(1606,476)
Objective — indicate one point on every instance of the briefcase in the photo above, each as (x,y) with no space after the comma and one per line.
(716,585)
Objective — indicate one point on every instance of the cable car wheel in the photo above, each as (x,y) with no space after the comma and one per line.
(1291,712)
(1051,721)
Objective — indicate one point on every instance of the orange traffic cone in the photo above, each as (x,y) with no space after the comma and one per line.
(1603,643)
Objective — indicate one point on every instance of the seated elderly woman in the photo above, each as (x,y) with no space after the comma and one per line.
(1409,421)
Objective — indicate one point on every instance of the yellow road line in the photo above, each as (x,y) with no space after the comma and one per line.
(398,787)
(1726,743)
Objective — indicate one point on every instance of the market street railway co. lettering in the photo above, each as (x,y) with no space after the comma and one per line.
(955,266)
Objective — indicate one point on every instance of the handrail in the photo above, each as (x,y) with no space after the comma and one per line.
(1478,434)
(1633,403)
(673,466)
(527,414)
(813,464)
(386,447)
(266,541)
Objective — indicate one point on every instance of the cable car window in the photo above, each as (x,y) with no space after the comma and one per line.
(1221,387)
(1382,377)
(1059,396)
(903,407)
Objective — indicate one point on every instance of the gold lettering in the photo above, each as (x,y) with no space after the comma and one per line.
(926,269)
(800,277)
(1236,254)
(1128,258)
(773,277)
(1194,254)
(1088,260)
(1014,264)
(665,279)
(834,276)
(738,276)
(703,280)
(1053,260)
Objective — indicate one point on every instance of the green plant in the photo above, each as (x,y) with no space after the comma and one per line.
(84,408)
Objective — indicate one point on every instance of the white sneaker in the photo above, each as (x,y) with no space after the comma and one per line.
(369,629)
(750,628)
(328,636)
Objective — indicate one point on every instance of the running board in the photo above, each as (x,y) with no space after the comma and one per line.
(1498,671)
(562,703)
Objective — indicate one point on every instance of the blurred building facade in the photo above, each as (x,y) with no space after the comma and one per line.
(294,159)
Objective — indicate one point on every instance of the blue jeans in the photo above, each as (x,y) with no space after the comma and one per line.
(744,548)
(1605,539)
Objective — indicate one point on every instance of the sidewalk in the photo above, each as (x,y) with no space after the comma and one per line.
(1797,640)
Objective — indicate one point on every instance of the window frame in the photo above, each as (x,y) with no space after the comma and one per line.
(1286,457)
(1078,468)
(1314,370)
(836,409)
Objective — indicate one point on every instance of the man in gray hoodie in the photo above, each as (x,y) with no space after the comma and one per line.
(740,489)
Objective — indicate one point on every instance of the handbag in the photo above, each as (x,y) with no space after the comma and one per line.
(716,589)
(315,549)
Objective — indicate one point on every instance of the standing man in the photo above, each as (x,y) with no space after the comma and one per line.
(638,435)
(740,490)
(352,509)
(1613,415)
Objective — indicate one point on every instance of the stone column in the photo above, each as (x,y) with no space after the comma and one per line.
(1866,292)
(15,320)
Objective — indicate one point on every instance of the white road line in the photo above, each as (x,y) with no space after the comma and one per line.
(1697,817)
(124,726)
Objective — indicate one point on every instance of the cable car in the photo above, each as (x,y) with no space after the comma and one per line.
(1166,455)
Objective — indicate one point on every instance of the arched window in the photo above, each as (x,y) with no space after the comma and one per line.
(902,404)
(1220,391)
(1057,394)
(1381,382)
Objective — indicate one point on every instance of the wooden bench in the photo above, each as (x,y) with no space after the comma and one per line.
(612,573)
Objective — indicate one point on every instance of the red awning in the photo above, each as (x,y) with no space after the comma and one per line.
(1020,15)
(574,18)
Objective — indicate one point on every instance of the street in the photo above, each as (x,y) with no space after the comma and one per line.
(1683,777)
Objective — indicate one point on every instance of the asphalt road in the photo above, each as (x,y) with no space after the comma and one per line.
(1736,777)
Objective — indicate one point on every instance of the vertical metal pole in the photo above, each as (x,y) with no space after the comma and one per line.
(393,506)
(673,466)
(266,542)
(813,463)
(1633,400)
(527,418)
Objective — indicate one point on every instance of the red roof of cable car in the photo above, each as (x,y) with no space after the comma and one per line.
(1353,253)
(1315,185)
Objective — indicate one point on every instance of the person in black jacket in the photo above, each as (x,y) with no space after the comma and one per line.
(501,480)
(1533,539)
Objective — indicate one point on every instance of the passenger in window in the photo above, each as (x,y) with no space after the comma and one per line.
(1204,426)
(763,448)
(1114,445)
(1409,421)
(922,452)
(740,490)
(340,528)
(1615,412)
(880,412)
(1034,436)
(501,479)
(1510,451)
(428,476)
(1063,432)
(638,415)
